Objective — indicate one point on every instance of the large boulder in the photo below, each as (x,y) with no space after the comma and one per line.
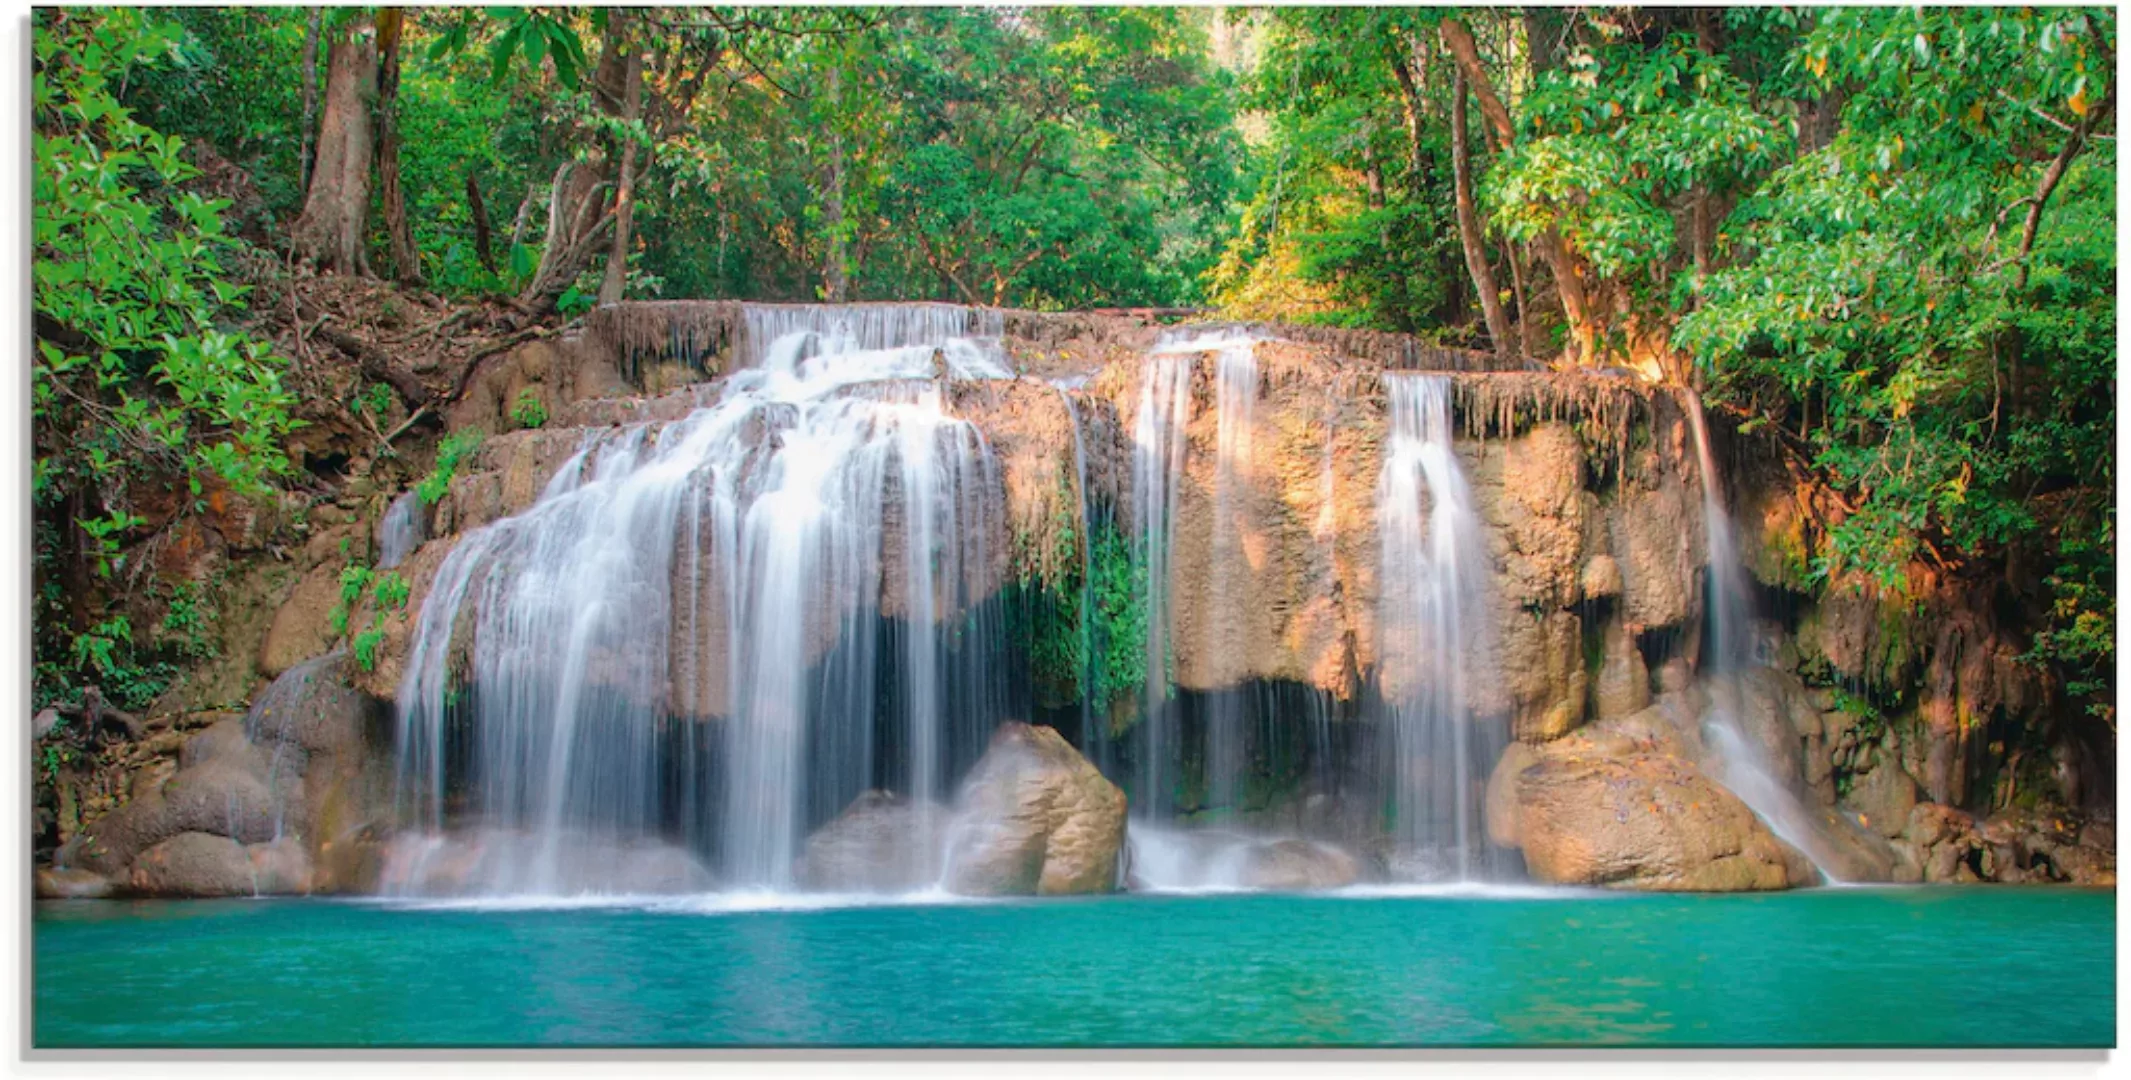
(880,843)
(1035,818)
(193,864)
(1644,821)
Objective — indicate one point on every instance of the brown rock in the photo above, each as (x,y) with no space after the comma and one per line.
(1884,797)
(1623,680)
(1034,818)
(194,864)
(1645,822)
(302,626)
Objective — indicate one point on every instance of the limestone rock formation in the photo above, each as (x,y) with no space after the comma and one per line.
(1035,818)
(880,843)
(302,773)
(1648,822)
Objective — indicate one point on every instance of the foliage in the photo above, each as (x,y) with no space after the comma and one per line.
(529,411)
(387,592)
(456,448)
(135,385)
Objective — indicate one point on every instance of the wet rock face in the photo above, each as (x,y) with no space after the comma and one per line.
(880,843)
(1035,818)
(299,775)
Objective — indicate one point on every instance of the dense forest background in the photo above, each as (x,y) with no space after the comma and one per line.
(1884,237)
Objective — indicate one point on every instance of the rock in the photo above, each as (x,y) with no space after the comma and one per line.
(312,707)
(1499,809)
(57,883)
(1884,797)
(280,868)
(1601,578)
(302,625)
(1298,865)
(223,740)
(1653,538)
(43,723)
(194,864)
(1623,681)
(880,843)
(1034,818)
(1645,821)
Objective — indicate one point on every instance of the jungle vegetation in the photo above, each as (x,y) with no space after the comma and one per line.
(1884,235)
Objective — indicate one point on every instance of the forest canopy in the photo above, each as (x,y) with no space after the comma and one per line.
(1883,236)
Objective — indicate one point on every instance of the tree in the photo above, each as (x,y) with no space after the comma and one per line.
(330,232)
(135,388)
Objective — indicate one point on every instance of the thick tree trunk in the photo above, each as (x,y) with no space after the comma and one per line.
(310,98)
(1566,267)
(610,287)
(1469,234)
(329,232)
(406,265)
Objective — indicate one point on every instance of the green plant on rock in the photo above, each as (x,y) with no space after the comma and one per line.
(388,592)
(530,412)
(1118,591)
(454,450)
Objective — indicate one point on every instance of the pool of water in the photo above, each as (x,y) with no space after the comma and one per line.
(1999,966)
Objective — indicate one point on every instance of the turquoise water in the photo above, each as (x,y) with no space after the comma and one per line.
(1853,967)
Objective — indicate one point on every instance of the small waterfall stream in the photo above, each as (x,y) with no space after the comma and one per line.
(1727,652)
(1434,580)
(405,526)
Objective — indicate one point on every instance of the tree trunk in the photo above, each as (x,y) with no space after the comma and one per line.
(406,265)
(329,232)
(1564,264)
(310,98)
(610,287)
(1469,235)
(576,219)
(1409,100)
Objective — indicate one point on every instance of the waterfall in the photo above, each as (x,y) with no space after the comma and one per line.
(1158,446)
(1433,618)
(696,607)
(404,527)
(1235,397)
(1093,730)
(1727,652)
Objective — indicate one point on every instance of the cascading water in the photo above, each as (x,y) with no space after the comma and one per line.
(404,528)
(1158,453)
(704,597)
(1235,397)
(1727,652)
(1433,619)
